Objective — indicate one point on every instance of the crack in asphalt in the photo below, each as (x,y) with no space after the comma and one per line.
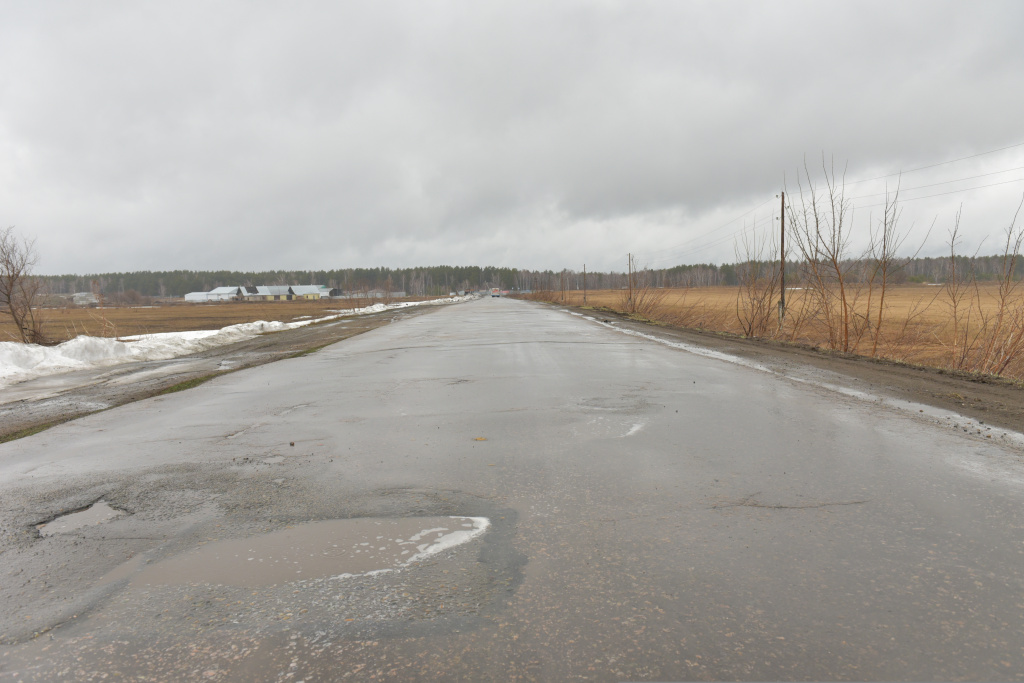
(751,502)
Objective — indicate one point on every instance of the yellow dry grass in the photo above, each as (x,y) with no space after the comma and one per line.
(66,323)
(917,323)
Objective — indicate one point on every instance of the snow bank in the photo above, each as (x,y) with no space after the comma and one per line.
(20,362)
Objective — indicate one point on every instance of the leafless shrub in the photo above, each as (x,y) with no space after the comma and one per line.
(820,227)
(907,335)
(1004,330)
(957,288)
(642,298)
(106,327)
(20,291)
(886,242)
(984,340)
(758,283)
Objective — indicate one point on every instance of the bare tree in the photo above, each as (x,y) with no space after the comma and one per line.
(20,291)
(886,241)
(1006,337)
(958,287)
(643,298)
(758,280)
(820,227)
(983,340)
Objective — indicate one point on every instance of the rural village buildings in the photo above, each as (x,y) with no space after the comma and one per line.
(287,293)
(264,293)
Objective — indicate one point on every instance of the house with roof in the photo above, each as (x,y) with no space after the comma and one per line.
(312,292)
(263,293)
(216,294)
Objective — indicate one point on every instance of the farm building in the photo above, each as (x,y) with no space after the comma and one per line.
(84,299)
(217,294)
(263,293)
(310,291)
(272,293)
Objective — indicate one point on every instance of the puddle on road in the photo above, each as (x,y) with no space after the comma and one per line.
(331,549)
(97,513)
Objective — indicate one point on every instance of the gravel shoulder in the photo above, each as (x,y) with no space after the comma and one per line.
(989,400)
(33,405)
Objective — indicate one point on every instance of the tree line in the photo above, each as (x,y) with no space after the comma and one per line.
(423,281)
(440,280)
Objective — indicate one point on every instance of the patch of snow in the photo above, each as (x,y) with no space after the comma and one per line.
(21,362)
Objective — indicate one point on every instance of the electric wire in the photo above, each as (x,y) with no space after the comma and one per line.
(941,194)
(940,163)
(944,182)
(689,247)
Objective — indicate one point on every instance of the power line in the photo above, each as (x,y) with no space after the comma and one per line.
(715,242)
(940,194)
(944,182)
(683,245)
(725,238)
(941,163)
(689,246)
(675,253)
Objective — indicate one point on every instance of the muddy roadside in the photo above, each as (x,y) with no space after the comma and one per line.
(989,400)
(34,405)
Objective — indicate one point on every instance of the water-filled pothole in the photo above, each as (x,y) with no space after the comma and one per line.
(336,549)
(97,513)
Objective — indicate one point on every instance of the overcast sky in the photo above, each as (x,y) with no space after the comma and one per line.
(301,135)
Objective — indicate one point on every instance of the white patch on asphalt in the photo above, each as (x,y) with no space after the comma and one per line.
(634,429)
(329,549)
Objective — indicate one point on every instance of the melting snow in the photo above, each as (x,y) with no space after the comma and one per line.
(20,362)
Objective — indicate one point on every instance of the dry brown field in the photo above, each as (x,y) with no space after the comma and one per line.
(61,324)
(917,322)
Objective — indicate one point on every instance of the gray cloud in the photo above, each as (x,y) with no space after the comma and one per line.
(259,135)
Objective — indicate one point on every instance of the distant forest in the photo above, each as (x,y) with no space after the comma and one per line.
(432,281)
(440,280)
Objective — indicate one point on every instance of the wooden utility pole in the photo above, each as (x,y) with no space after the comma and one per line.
(782,260)
(584,284)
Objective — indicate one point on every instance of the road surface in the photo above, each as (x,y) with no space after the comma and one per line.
(648,514)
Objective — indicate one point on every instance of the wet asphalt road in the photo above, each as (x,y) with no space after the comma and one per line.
(656,515)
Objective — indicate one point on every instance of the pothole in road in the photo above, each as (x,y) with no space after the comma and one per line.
(97,513)
(331,549)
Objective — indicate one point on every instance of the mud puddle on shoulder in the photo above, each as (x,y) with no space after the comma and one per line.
(335,549)
(97,513)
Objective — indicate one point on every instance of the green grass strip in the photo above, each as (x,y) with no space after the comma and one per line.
(312,349)
(189,383)
(29,431)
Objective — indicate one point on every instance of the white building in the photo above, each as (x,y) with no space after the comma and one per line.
(216,294)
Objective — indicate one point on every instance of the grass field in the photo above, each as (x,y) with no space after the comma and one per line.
(61,324)
(917,322)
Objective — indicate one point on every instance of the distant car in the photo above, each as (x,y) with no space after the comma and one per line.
(495,292)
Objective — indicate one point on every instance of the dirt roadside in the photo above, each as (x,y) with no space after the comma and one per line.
(59,398)
(989,400)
